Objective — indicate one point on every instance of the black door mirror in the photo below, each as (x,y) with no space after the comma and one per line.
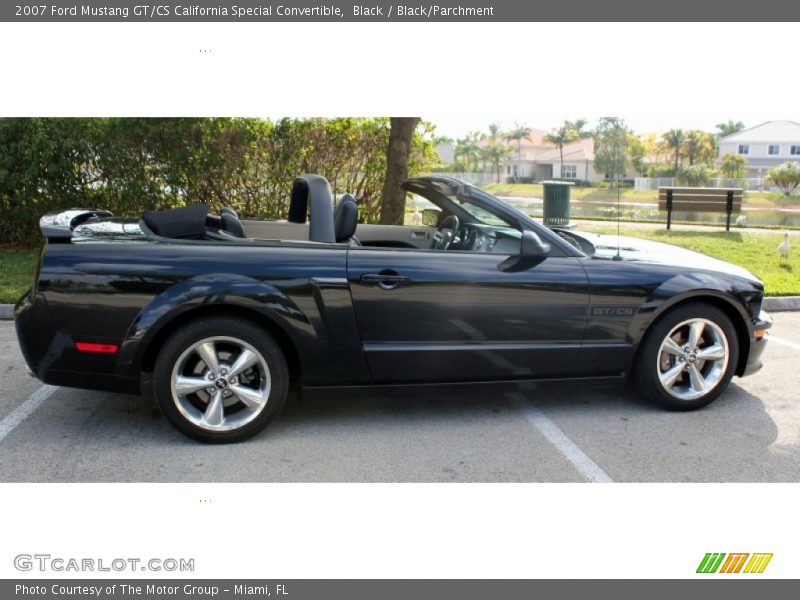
(430,217)
(532,245)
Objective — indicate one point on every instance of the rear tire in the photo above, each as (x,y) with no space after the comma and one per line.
(220,379)
(687,358)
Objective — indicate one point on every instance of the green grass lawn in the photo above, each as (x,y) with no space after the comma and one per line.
(756,252)
(16,273)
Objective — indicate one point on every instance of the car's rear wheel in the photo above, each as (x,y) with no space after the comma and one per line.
(220,379)
(688,357)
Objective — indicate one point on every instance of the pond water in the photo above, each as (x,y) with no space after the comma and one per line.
(756,217)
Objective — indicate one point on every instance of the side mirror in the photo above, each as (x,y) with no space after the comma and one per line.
(430,217)
(532,245)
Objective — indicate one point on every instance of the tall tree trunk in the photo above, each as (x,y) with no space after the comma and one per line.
(393,205)
(561,152)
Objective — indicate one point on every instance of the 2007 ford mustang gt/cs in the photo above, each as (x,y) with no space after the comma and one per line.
(221,315)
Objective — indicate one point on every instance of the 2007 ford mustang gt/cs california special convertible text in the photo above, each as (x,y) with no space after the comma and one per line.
(221,315)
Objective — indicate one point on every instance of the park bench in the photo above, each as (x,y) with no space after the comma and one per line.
(698,199)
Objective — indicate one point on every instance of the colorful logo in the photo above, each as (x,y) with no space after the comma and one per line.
(734,563)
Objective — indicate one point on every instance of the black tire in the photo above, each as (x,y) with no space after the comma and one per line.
(651,363)
(222,330)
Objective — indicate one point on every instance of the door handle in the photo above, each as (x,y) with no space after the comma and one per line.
(386,279)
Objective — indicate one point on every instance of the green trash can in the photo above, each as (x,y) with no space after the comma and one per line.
(556,203)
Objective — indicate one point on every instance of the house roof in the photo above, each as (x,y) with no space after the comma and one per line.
(578,150)
(771,131)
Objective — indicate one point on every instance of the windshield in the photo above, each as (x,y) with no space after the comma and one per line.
(478,214)
(481,215)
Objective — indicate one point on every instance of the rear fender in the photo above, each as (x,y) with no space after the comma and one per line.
(218,289)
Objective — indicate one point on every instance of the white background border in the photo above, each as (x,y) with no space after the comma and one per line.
(683,75)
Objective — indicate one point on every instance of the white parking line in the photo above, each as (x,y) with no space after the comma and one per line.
(24,410)
(783,342)
(585,465)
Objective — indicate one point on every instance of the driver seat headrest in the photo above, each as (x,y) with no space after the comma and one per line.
(345,218)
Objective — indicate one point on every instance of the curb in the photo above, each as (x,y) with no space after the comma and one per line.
(772,304)
(781,303)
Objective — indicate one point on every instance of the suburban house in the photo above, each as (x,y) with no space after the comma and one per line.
(763,146)
(540,160)
(446,152)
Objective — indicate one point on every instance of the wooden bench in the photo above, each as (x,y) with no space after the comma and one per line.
(697,199)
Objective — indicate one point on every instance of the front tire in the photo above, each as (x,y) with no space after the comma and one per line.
(688,357)
(221,379)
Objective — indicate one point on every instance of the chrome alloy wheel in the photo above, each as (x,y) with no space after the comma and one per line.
(220,383)
(692,359)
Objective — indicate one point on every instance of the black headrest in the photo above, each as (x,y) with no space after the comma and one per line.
(228,210)
(345,218)
(232,225)
(185,222)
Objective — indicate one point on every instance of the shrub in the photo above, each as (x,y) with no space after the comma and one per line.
(786,177)
(127,165)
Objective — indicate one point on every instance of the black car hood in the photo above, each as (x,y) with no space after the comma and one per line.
(658,253)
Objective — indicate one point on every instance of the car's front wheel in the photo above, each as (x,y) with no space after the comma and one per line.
(220,379)
(688,357)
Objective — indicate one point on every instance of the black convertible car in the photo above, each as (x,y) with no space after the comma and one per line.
(223,315)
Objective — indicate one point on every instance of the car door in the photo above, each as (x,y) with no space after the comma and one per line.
(434,316)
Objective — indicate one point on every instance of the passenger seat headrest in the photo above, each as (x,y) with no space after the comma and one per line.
(345,218)
(232,225)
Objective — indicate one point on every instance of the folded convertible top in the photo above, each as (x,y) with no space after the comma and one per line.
(186,222)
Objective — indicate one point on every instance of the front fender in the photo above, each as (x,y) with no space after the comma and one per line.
(741,298)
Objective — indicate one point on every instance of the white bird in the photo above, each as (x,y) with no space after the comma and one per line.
(785,247)
(741,221)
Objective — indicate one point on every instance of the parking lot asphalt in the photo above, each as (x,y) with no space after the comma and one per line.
(537,433)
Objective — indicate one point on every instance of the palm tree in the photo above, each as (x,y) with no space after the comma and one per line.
(578,125)
(470,149)
(494,131)
(561,136)
(519,133)
(693,143)
(729,128)
(674,139)
(495,153)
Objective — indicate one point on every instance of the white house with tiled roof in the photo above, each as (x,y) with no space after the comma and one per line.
(763,146)
(540,160)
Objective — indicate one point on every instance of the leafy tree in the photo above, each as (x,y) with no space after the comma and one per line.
(674,140)
(637,153)
(733,166)
(519,133)
(611,138)
(729,127)
(786,177)
(494,131)
(561,136)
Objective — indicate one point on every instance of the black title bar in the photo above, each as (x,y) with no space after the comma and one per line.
(438,11)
